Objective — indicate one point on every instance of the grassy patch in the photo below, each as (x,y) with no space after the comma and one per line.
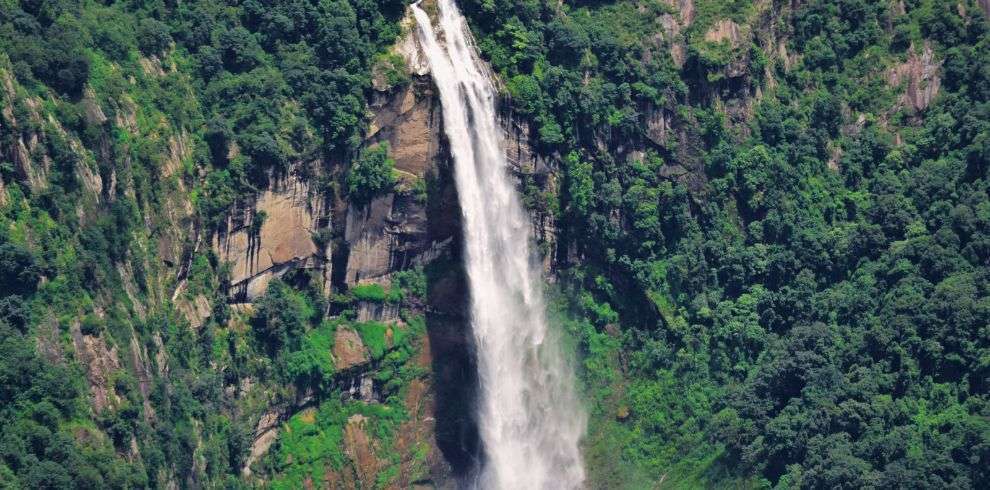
(374,335)
(369,292)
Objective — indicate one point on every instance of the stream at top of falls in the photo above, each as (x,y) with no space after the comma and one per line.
(528,412)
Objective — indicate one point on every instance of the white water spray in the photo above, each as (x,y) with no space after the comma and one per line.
(528,413)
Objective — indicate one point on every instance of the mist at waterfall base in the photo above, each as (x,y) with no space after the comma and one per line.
(529,416)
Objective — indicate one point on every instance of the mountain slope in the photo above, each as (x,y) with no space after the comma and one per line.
(772,220)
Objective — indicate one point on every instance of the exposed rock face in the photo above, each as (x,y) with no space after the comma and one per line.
(789,60)
(409,49)
(196,310)
(658,125)
(100,363)
(374,240)
(420,431)
(672,26)
(358,447)
(348,350)
(920,77)
(103,171)
(380,312)
(518,150)
(178,211)
(370,243)
(727,31)
(152,66)
(406,120)
(31,173)
(144,374)
(526,162)
(390,233)
(724,30)
(685,8)
(91,108)
(672,34)
(264,436)
(283,241)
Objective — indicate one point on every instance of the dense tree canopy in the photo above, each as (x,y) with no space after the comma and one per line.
(808,304)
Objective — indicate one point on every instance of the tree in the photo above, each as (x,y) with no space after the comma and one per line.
(580,185)
(280,316)
(239,49)
(18,272)
(153,37)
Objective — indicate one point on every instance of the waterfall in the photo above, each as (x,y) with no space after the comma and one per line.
(528,415)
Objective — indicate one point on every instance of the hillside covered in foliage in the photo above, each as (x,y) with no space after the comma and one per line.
(774,224)
(766,226)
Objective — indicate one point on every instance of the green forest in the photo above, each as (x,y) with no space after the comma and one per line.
(781,322)
(770,256)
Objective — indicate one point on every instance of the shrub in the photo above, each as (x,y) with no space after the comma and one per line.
(411,282)
(14,312)
(240,49)
(389,71)
(312,364)
(369,292)
(371,174)
(90,325)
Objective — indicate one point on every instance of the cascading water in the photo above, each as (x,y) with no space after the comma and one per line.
(528,413)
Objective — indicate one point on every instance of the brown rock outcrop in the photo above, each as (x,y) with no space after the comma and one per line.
(283,242)
(685,9)
(379,312)
(724,30)
(920,76)
(196,310)
(672,34)
(264,436)
(658,125)
(100,363)
(19,152)
(348,350)
(358,447)
(91,108)
(407,121)
(370,243)
(390,233)
(518,150)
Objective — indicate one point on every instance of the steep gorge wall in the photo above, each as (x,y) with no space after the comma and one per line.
(94,305)
(366,244)
(292,224)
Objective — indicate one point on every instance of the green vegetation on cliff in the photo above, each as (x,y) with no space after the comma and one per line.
(371,174)
(129,130)
(775,261)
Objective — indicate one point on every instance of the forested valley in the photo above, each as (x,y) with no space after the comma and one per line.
(231,247)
